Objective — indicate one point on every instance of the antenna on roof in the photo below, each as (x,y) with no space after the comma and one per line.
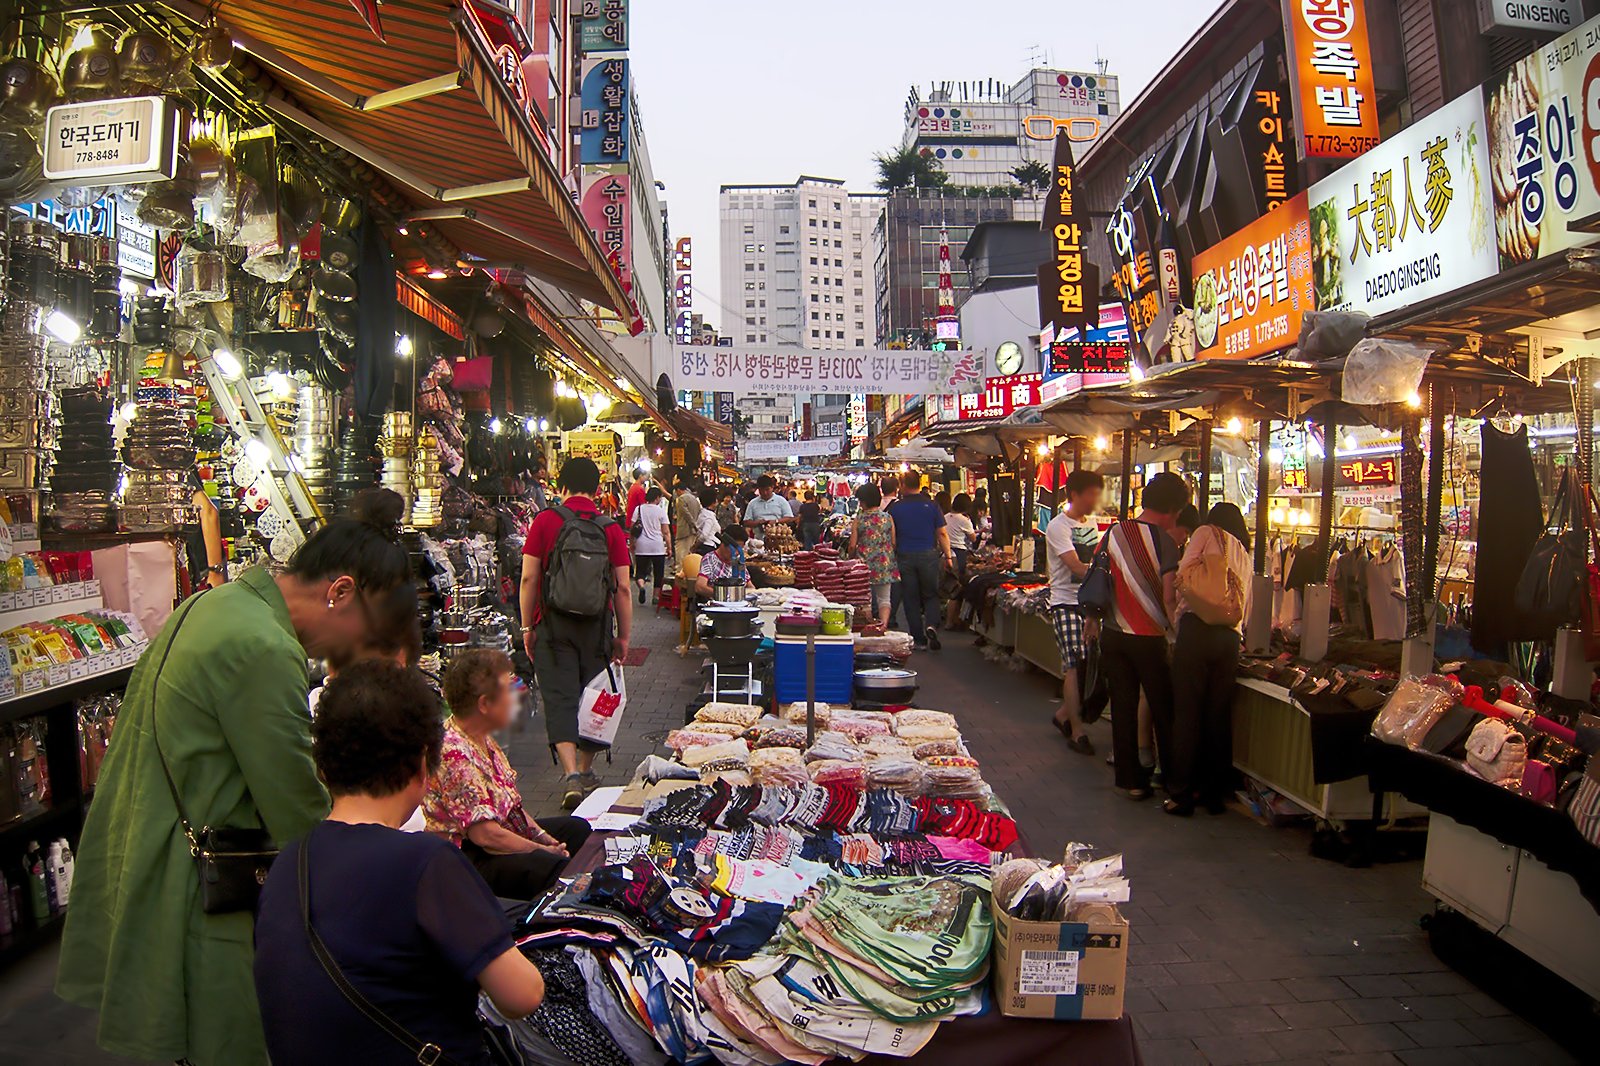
(1100,62)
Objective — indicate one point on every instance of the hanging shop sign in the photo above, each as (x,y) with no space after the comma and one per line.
(603,114)
(683,291)
(1000,397)
(1069,285)
(722,403)
(786,449)
(1112,331)
(106,217)
(1294,474)
(1251,289)
(603,26)
(946,123)
(1542,118)
(1409,220)
(112,142)
(1089,357)
(1331,70)
(599,445)
(1528,17)
(800,370)
(856,419)
(1365,473)
(606,208)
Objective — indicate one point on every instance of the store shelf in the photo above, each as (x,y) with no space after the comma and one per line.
(41,605)
(25,705)
(23,941)
(41,826)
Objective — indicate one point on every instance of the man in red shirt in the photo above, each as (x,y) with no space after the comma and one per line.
(568,650)
(635,495)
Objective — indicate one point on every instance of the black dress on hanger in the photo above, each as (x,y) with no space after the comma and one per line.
(1510,520)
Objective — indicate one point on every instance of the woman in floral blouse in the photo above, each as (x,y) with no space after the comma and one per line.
(872,541)
(473,799)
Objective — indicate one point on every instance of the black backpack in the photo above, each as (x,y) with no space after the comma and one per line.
(580,580)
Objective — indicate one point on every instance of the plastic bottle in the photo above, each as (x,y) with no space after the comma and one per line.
(38,895)
(52,860)
(68,868)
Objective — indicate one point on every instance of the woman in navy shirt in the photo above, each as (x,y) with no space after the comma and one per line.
(405,916)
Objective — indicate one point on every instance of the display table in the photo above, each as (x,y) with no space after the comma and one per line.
(1515,867)
(1036,641)
(1002,632)
(1313,756)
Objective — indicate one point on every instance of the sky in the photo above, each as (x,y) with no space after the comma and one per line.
(763,91)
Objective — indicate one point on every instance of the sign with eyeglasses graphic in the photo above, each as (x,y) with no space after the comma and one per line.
(1077,127)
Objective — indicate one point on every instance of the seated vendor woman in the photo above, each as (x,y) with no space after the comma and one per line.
(473,799)
(724,564)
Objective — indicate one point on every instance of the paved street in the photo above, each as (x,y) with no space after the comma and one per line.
(1246,949)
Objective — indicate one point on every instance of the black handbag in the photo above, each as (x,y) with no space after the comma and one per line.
(1096,691)
(1549,592)
(232,862)
(1098,592)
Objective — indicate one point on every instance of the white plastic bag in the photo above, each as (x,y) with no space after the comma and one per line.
(600,708)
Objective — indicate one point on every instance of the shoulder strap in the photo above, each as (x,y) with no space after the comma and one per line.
(427,1054)
(155,733)
(566,513)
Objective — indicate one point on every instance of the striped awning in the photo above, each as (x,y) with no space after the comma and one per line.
(425,107)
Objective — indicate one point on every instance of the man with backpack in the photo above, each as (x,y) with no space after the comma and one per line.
(574,585)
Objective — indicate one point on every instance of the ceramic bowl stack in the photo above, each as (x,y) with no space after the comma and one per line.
(396,446)
(313,443)
(83,485)
(427,479)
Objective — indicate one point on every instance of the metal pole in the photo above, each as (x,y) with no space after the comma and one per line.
(1263,490)
(1330,474)
(1203,497)
(1430,543)
(1410,519)
(1127,472)
(811,689)
(1585,419)
(1077,453)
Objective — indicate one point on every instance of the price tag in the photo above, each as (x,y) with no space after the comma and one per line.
(61,594)
(59,675)
(25,599)
(1048,973)
(8,601)
(78,670)
(25,531)
(33,681)
(8,686)
(92,589)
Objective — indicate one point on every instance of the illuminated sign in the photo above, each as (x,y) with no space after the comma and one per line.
(1077,127)
(605,207)
(1089,357)
(1519,18)
(112,142)
(1251,289)
(683,290)
(1069,285)
(1000,397)
(1364,472)
(1331,69)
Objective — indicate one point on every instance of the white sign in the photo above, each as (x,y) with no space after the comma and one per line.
(919,453)
(801,370)
(784,449)
(111,142)
(1409,220)
(1529,16)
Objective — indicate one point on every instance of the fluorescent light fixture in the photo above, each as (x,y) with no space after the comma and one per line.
(130,288)
(258,453)
(227,364)
(403,346)
(63,327)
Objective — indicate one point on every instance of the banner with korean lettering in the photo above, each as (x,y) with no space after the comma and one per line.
(1330,67)
(1367,472)
(603,26)
(606,207)
(1544,146)
(603,115)
(1000,397)
(1251,289)
(783,449)
(801,370)
(1408,221)
(1069,285)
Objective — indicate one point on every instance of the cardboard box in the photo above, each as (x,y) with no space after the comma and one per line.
(1069,971)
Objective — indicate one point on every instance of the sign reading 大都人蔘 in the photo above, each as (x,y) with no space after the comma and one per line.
(792,370)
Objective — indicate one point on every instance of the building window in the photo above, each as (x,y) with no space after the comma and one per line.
(813,242)
(858,274)
(763,303)
(836,205)
(858,291)
(813,260)
(749,249)
(811,203)
(761,266)
(749,229)
(783,229)
(839,263)
(813,297)
(811,222)
(813,279)
(860,343)
(836,224)
(749,286)
(838,244)
(749,268)
(814,316)
(763,247)
(750,320)
(749,338)
(749,303)
(814,333)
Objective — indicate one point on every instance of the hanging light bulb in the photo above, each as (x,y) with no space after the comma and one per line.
(227,364)
(278,382)
(544,425)
(1414,401)
(403,346)
(495,425)
(1350,443)
(1043,449)
(1101,443)
(531,425)
(63,327)
(1235,426)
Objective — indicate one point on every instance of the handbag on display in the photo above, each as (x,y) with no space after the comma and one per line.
(232,862)
(1550,592)
(1590,619)
(1497,753)
(1584,806)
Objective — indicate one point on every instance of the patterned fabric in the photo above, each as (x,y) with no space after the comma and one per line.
(875,545)
(564,1018)
(474,784)
(1141,556)
(1067,621)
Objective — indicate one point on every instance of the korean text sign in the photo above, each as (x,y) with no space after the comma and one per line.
(1409,220)
(800,370)
(1000,397)
(1330,64)
(603,137)
(606,207)
(1251,289)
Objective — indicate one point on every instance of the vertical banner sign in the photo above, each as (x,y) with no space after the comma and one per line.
(724,407)
(605,207)
(603,133)
(1251,289)
(683,290)
(856,419)
(1269,148)
(603,26)
(1069,285)
(1331,68)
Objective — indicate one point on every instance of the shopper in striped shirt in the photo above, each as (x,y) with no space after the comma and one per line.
(1133,645)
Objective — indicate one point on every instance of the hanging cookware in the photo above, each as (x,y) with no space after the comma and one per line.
(333,287)
(213,48)
(145,59)
(300,199)
(21,165)
(340,252)
(340,214)
(90,68)
(27,90)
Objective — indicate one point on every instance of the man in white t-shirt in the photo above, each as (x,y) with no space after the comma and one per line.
(1072,536)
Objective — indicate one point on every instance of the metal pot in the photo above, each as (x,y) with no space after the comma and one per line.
(887,685)
(732,620)
(732,651)
(728,592)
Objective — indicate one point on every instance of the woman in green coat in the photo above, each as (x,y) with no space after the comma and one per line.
(170,981)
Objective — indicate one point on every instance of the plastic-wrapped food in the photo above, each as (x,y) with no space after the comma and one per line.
(1413,709)
(786,737)
(796,712)
(952,762)
(898,772)
(707,753)
(722,729)
(772,767)
(916,734)
(680,740)
(839,772)
(952,775)
(654,768)
(859,727)
(893,643)
(930,748)
(874,747)
(913,716)
(833,746)
(743,715)
(731,775)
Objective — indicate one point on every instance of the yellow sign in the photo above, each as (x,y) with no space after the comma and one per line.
(599,445)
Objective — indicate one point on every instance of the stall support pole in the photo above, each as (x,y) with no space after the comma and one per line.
(1077,453)
(1430,531)
(1330,475)
(1127,472)
(1203,496)
(1585,418)
(1258,627)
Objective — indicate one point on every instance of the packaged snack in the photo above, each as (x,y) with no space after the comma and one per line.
(879,746)
(787,737)
(930,748)
(702,754)
(743,715)
(839,772)
(901,773)
(858,727)
(919,733)
(774,767)
(796,713)
(916,716)
(681,739)
(833,746)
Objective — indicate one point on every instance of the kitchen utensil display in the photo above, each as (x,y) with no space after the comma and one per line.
(888,685)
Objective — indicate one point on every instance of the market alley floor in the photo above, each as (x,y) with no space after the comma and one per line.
(1245,948)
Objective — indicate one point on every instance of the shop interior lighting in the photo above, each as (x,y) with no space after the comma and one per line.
(1101,443)
(258,452)
(403,346)
(128,411)
(646,465)
(438,274)
(531,425)
(1234,426)
(599,400)
(495,425)
(544,427)
(1274,455)
(278,382)
(63,327)
(1135,373)
(83,38)
(1043,449)
(1414,401)
(130,288)
(228,364)
(1349,443)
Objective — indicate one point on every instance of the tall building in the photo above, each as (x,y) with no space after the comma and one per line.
(979,130)
(796,272)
